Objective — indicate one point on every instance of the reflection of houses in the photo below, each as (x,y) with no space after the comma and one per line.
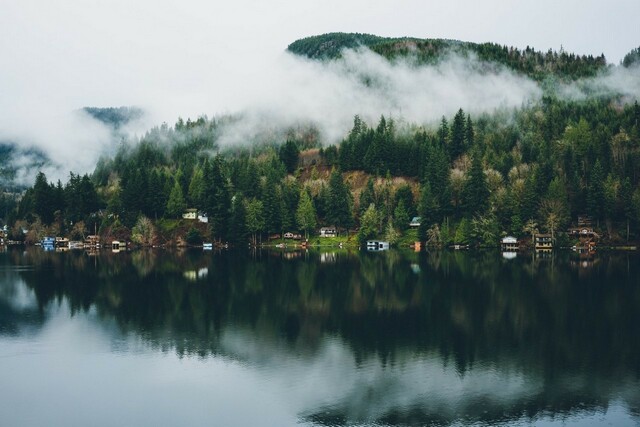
(415,222)
(543,242)
(289,255)
(92,241)
(377,245)
(328,232)
(62,242)
(328,257)
(48,243)
(509,244)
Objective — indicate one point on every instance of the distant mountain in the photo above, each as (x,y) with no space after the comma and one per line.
(115,117)
(535,64)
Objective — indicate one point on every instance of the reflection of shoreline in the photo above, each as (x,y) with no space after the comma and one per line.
(374,321)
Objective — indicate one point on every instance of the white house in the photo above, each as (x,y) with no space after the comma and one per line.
(328,232)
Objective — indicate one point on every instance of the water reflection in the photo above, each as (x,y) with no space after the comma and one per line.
(393,338)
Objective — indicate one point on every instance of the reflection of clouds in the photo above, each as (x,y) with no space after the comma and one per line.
(329,381)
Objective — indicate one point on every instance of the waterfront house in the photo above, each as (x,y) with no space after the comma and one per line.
(328,232)
(509,244)
(202,217)
(543,242)
(190,214)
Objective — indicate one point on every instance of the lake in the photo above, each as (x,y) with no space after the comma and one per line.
(157,338)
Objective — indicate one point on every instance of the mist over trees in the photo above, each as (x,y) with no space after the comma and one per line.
(471,178)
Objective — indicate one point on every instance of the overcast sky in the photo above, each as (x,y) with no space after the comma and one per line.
(194,57)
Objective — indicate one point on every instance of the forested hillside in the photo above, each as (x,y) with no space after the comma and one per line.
(472,179)
(535,64)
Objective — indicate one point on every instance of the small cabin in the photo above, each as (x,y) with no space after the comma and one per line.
(328,232)
(116,246)
(509,244)
(190,214)
(377,245)
(289,235)
(543,242)
(207,246)
(415,222)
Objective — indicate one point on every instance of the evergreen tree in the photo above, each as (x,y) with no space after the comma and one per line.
(176,204)
(217,198)
(404,194)
(288,155)
(595,192)
(306,214)
(401,216)
(271,200)
(43,199)
(469,133)
(457,138)
(238,221)
(476,192)
(339,202)
(367,196)
(196,188)
(427,210)
(369,225)
(254,218)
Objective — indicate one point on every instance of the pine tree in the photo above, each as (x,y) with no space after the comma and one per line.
(367,196)
(288,155)
(176,204)
(476,192)
(427,210)
(43,199)
(456,140)
(339,202)
(306,214)
(595,192)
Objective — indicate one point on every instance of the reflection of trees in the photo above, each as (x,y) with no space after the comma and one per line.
(469,308)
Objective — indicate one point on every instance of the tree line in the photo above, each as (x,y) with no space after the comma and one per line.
(470,180)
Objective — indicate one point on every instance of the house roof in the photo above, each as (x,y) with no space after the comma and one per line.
(509,239)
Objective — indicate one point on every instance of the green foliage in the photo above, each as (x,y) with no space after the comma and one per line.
(464,232)
(305,213)
(288,155)
(631,58)
(536,64)
(476,192)
(194,236)
(369,225)
(176,204)
(143,232)
(254,218)
(339,202)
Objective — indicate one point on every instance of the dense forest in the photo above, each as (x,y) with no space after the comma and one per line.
(471,179)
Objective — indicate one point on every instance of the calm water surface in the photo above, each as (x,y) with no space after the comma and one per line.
(273,339)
